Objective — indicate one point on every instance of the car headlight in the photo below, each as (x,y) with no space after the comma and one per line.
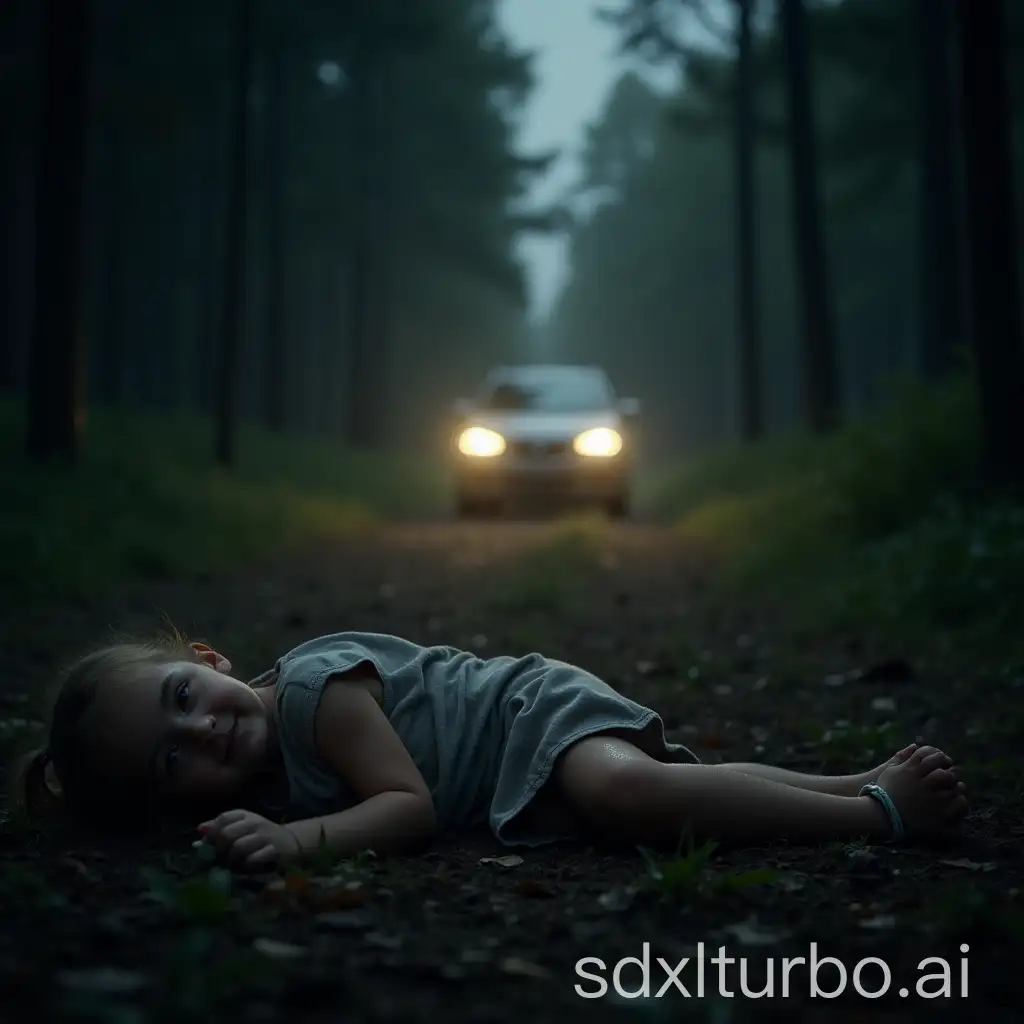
(481,442)
(601,442)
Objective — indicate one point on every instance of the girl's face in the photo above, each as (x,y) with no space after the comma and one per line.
(185,731)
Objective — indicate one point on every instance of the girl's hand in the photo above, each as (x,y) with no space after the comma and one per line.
(250,842)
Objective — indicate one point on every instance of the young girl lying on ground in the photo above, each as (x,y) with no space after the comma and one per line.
(366,741)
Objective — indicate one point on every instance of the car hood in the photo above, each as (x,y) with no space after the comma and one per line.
(544,426)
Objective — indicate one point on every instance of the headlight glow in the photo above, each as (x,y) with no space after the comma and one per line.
(481,442)
(601,442)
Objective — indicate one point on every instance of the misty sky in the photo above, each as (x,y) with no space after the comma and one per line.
(575,66)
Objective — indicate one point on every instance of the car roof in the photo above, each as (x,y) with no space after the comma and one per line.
(544,371)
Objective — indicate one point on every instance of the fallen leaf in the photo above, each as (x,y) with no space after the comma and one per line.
(285,890)
(346,920)
(524,968)
(791,883)
(107,980)
(881,922)
(344,898)
(383,940)
(615,900)
(277,950)
(861,853)
(79,868)
(970,865)
(509,860)
(883,704)
(751,933)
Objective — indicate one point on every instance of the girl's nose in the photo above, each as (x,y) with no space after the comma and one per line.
(199,727)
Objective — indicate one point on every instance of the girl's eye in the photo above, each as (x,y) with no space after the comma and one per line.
(181,695)
(171,760)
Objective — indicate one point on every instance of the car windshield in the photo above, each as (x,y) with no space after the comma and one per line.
(582,392)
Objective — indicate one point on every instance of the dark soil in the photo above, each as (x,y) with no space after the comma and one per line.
(103,929)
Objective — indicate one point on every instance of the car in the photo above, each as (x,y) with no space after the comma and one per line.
(544,431)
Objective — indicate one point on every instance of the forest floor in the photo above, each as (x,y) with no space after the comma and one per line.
(109,931)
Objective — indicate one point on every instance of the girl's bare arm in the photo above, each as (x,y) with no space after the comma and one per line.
(395,811)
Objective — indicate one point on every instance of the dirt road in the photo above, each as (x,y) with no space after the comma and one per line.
(97,931)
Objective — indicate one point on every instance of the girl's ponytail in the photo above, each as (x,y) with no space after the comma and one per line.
(31,796)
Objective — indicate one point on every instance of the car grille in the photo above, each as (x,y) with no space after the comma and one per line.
(538,449)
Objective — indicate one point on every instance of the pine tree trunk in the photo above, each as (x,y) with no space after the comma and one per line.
(995,301)
(233,313)
(941,295)
(819,357)
(10,334)
(749,313)
(359,399)
(276,166)
(110,322)
(56,407)
(211,291)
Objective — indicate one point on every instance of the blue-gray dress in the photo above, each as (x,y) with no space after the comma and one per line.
(485,734)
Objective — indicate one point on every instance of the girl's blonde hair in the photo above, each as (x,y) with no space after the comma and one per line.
(67,754)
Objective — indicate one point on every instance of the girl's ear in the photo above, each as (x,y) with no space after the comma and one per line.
(208,656)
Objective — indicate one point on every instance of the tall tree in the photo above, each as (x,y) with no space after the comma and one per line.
(941,310)
(236,226)
(365,249)
(56,406)
(995,300)
(655,27)
(751,416)
(18,32)
(276,36)
(820,370)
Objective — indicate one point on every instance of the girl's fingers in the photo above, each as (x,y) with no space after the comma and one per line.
(264,857)
(236,830)
(215,825)
(245,845)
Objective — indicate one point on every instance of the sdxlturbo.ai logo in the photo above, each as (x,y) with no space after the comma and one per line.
(938,985)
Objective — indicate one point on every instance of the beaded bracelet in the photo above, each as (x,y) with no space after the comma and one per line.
(879,794)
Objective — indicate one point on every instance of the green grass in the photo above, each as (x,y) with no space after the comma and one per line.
(148,501)
(884,524)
